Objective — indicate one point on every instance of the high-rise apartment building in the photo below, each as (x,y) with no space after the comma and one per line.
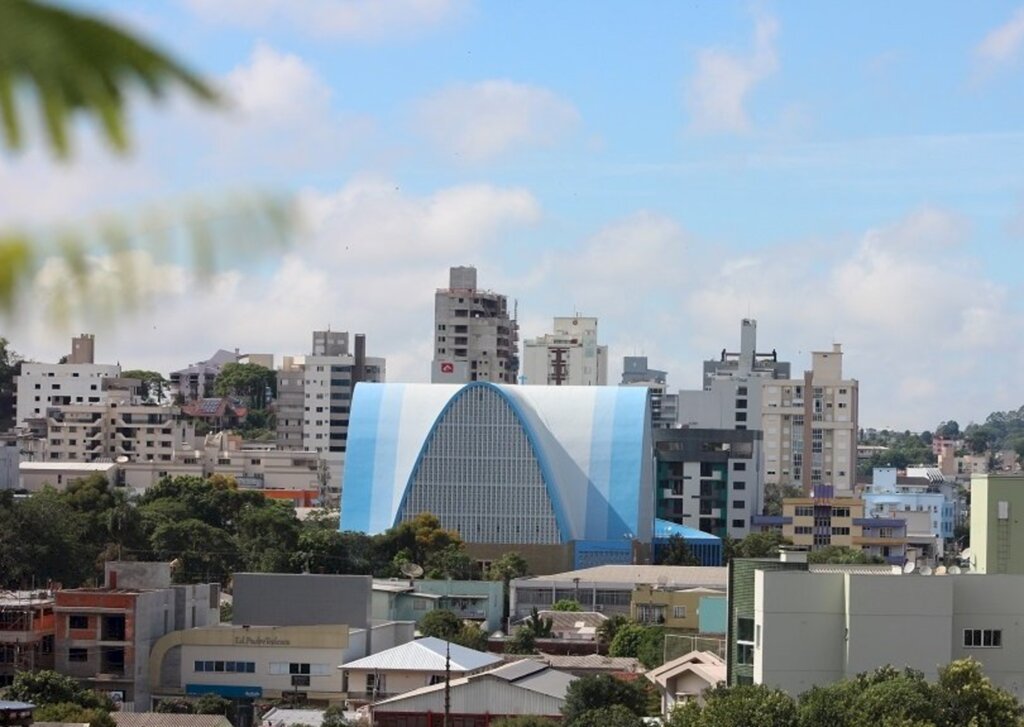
(731,393)
(80,381)
(810,426)
(569,356)
(474,337)
(711,476)
(664,406)
(315,392)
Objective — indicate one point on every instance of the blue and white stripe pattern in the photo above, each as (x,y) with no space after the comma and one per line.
(593,444)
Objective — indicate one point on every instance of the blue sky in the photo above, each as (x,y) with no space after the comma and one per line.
(841,172)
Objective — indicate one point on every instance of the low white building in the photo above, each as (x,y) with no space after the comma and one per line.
(813,628)
(686,679)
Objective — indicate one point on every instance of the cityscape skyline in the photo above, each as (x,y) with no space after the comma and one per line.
(710,174)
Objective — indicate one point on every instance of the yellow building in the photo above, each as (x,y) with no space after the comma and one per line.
(672,608)
(821,521)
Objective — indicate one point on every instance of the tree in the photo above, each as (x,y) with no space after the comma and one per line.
(615,714)
(948,430)
(522,641)
(509,566)
(758,545)
(526,720)
(841,554)
(965,696)
(45,687)
(566,604)
(472,637)
(69,712)
(608,628)
(677,552)
(600,691)
(215,704)
(248,381)
(78,66)
(752,705)
(334,716)
(775,493)
(153,385)
(205,553)
(538,626)
(646,643)
(175,706)
(440,623)
(10,367)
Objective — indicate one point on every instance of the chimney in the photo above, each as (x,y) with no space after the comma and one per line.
(359,365)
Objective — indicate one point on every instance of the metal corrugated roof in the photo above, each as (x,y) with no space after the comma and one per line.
(427,654)
(159,719)
(646,574)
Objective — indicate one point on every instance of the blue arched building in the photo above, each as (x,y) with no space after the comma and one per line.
(562,474)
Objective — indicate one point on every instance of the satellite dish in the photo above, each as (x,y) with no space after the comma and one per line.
(941,570)
(954,570)
(926,570)
(122,459)
(909,567)
(412,570)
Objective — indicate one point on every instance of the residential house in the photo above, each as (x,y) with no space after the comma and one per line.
(525,687)
(686,679)
(410,666)
(674,608)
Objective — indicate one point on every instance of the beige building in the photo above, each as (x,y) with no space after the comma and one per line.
(569,356)
(670,607)
(475,338)
(820,521)
(810,426)
(116,430)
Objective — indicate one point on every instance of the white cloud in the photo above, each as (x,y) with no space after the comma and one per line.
(341,19)
(280,114)
(716,95)
(483,120)
(370,262)
(1002,44)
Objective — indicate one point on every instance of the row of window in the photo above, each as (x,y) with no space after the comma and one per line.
(274,667)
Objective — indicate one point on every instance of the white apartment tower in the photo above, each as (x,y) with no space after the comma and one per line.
(474,337)
(80,381)
(810,426)
(570,356)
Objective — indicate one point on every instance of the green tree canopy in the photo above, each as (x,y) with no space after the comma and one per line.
(522,641)
(46,687)
(566,604)
(677,552)
(153,384)
(615,714)
(440,623)
(842,554)
(741,706)
(249,382)
(601,691)
(526,720)
(646,643)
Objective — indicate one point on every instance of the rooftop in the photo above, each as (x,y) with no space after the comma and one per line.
(679,576)
(426,654)
(66,466)
(159,719)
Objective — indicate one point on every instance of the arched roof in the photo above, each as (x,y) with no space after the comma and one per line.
(593,443)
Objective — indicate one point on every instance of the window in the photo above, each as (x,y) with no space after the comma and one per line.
(745,641)
(804,511)
(739,466)
(679,612)
(741,403)
(739,485)
(741,416)
(803,530)
(742,391)
(840,512)
(738,524)
(78,655)
(739,505)
(78,622)
(840,531)
(983,638)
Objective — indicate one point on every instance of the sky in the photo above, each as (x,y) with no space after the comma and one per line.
(841,172)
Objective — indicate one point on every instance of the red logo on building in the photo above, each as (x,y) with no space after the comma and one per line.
(447,367)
